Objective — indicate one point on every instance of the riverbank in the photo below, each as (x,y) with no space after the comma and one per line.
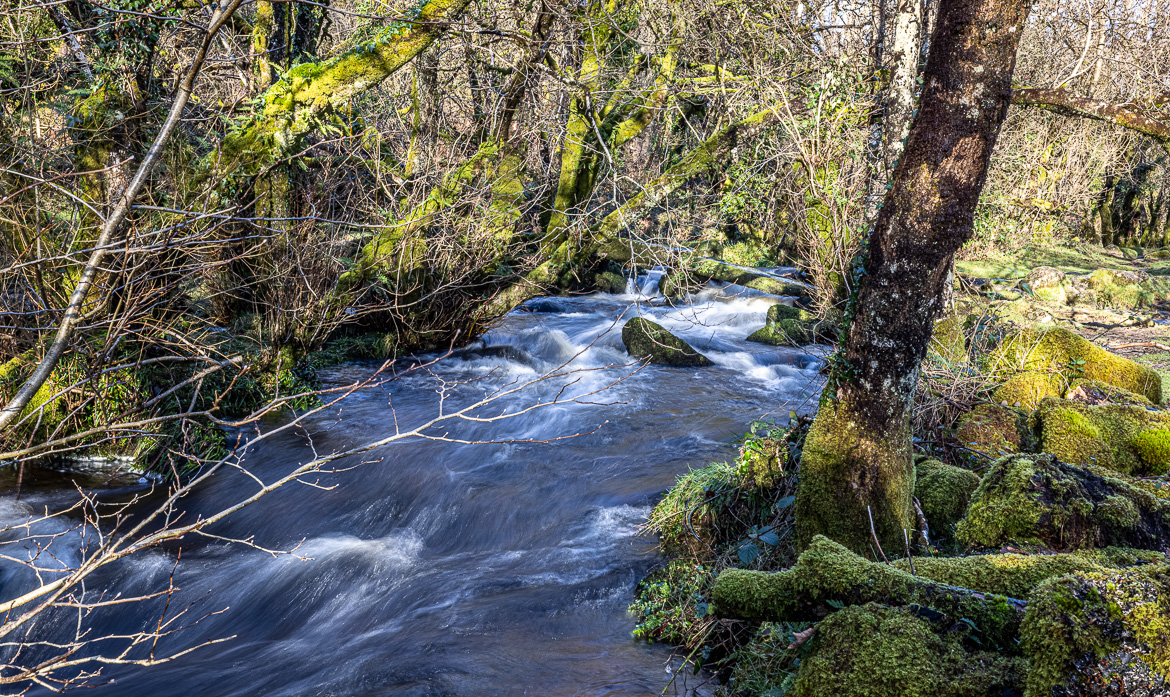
(1038,575)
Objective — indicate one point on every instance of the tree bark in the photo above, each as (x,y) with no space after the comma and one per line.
(904,62)
(857,459)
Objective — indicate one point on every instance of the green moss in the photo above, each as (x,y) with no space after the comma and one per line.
(839,453)
(646,339)
(992,430)
(948,341)
(826,574)
(1015,575)
(1060,351)
(1026,389)
(1037,500)
(1123,438)
(879,651)
(1099,628)
(610,282)
(944,492)
(791,326)
(1153,447)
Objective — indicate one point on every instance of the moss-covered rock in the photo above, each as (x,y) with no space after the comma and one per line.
(1124,438)
(944,492)
(1047,283)
(1059,351)
(880,651)
(646,339)
(828,574)
(1028,388)
(610,282)
(790,326)
(1101,632)
(948,341)
(1036,499)
(993,430)
(1015,575)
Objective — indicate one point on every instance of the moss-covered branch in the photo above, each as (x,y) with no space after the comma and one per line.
(827,573)
(308,93)
(1136,115)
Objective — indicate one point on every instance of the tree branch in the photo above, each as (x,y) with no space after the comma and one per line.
(1136,115)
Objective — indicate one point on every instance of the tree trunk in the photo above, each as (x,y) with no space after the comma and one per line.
(857,459)
(904,62)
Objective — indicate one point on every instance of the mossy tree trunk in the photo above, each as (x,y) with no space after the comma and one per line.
(857,459)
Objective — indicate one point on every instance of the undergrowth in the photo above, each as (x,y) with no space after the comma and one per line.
(735,515)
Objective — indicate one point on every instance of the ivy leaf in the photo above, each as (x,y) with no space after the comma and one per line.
(785,502)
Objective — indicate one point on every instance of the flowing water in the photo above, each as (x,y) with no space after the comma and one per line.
(444,568)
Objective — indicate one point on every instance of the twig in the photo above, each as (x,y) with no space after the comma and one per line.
(924,529)
(874,533)
(906,538)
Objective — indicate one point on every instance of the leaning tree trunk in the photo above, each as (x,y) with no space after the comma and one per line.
(857,458)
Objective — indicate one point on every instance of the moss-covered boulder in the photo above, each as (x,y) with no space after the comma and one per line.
(1038,500)
(948,341)
(1064,355)
(790,326)
(1124,289)
(827,575)
(1025,390)
(944,492)
(993,430)
(875,650)
(1124,438)
(646,339)
(1099,633)
(1047,283)
(610,282)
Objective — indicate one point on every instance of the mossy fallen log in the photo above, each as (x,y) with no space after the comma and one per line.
(828,575)
(1038,500)
(1017,575)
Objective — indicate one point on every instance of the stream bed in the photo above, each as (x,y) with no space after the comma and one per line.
(448,568)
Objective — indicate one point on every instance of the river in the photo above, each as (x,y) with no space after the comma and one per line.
(443,568)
